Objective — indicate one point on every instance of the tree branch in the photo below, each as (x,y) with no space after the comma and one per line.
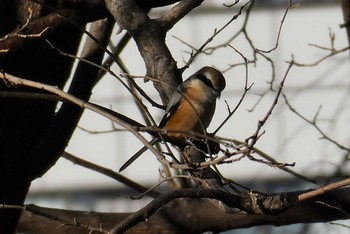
(204,216)
(110,173)
(149,36)
(170,18)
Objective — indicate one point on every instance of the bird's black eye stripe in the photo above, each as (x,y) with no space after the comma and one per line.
(205,80)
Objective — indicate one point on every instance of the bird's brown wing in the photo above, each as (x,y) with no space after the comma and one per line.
(172,106)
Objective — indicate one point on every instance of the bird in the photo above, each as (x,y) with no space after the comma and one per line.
(190,109)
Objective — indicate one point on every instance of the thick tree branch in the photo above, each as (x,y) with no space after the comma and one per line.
(346,14)
(150,39)
(166,197)
(204,216)
(170,18)
(155,3)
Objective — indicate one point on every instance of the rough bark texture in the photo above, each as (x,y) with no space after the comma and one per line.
(149,35)
(174,217)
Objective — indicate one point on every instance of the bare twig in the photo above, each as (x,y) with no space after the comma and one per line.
(210,50)
(110,173)
(274,161)
(290,6)
(324,58)
(30,95)
(261,123)
(161,182)
(332,51)
(246,89)
(100,131)
(333,206)
(216,32)
(232,4)
(136,98)
(63,221)
(18,33)
(314,124)
(323,189)
(133,127)
(83,104)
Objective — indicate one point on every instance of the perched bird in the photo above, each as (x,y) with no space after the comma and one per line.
(190,109)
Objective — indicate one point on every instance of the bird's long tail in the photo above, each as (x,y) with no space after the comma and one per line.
(137,155)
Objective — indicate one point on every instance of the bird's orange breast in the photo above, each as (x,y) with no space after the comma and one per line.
(193,112)
(183,120)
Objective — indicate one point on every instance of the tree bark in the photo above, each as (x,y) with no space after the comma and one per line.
(149,35)
(346,13)
(24,122)
(186,216)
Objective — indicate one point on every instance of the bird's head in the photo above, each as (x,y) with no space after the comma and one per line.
(211,78)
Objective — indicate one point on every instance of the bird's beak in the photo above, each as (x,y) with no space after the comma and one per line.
(217,94)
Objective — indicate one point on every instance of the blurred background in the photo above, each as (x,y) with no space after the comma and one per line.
(319,90)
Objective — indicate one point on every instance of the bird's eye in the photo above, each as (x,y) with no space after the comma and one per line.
(205,80)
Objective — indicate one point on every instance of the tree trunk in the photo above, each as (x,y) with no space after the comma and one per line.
(24,122)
